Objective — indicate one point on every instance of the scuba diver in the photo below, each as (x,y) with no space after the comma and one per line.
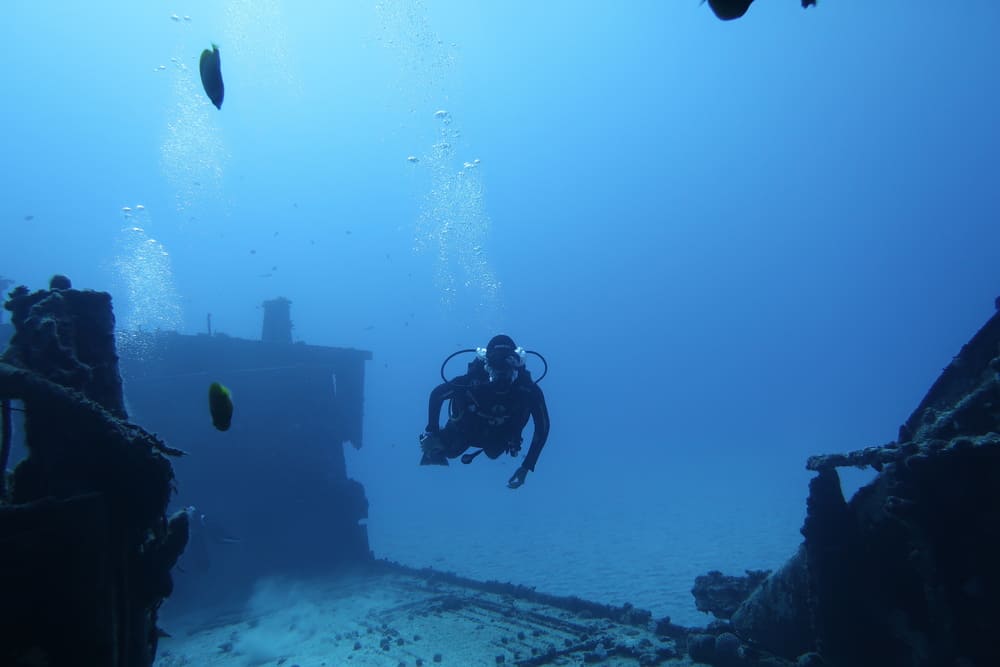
(489,407)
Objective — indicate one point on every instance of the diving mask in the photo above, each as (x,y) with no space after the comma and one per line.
(502,363)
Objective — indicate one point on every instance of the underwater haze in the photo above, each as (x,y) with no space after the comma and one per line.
(736,243)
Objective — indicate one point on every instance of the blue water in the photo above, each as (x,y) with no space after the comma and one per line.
(737,244)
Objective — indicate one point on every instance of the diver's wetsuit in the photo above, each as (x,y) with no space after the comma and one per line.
(489,416)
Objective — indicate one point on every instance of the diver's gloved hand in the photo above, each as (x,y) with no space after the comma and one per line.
(518,478)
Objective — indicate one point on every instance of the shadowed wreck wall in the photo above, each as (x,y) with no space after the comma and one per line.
(271,494)
(86,547)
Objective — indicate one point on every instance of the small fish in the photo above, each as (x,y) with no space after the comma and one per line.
(412,158)
(211,75)
(29,218)
(220,405)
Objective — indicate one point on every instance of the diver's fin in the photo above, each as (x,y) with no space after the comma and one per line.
(433,459)
(433,449)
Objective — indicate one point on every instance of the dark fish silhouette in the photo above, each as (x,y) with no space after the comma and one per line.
(220,404)
(211,76)
(727,10)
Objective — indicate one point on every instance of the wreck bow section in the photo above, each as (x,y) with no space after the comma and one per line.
(86,547)
(904,573)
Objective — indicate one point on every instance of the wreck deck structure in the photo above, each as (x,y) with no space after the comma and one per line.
(901,574)
(271,494)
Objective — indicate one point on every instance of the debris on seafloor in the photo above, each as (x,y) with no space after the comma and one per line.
(389,614)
